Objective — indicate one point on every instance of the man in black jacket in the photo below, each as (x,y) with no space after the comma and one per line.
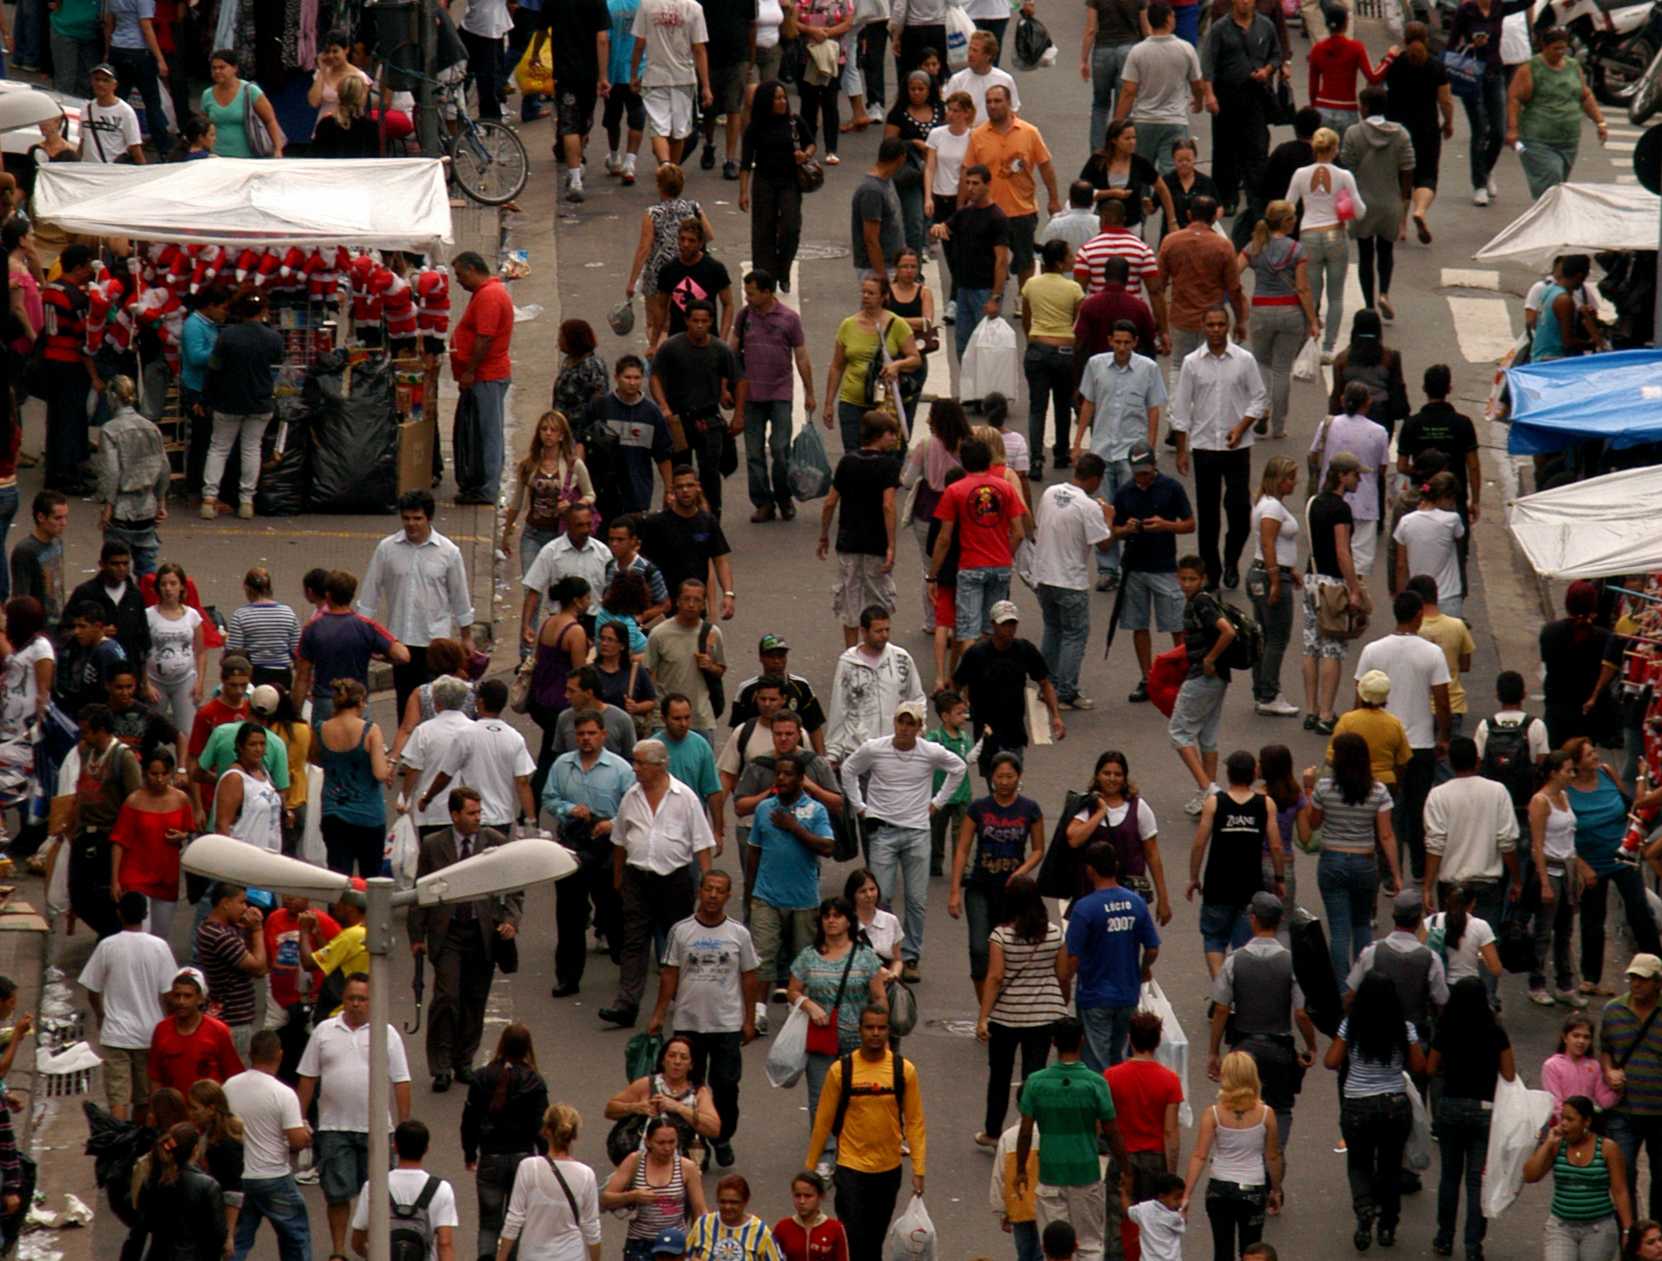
(240,394)
(114,590)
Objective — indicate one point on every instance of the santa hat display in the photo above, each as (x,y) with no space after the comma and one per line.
(432,290)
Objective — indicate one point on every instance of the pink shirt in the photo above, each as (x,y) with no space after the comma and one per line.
(1562,1077)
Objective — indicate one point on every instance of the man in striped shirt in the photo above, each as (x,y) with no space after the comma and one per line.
(69,370)
(1115,241)
(1630,1052)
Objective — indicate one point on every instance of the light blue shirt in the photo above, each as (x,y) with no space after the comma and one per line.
(693,762)
(787,875)
(128,14)
(197,351)
(600,787)
(1122,397)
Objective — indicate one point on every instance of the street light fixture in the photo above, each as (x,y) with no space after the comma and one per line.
(500,869)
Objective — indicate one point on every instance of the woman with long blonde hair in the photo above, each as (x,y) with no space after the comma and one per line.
(1272,579)
(1283,314)
(1242,1144)
(552,477)
(220,1151)
(1325,189)
(554,1209)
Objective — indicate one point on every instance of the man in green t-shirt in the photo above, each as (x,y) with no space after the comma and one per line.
(1071,1105)
(952,733)
(77,45)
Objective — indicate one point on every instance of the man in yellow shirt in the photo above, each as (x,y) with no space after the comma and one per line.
(1454,638)
(881,1104)
(1387,740)
(345,952)
(1015,153)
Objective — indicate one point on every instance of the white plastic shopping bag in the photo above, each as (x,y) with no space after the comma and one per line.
(990,364)
(911,1236)
(1307,365)
(959,28)
(1514,1129)
(1173,1050)
(312,849)
(788,1053)
(403,850)
(1417,1155)
(57,880)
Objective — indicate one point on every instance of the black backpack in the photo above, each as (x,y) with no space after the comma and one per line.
(1506,758)
(1246,650)
(412,1227)
(847,1092)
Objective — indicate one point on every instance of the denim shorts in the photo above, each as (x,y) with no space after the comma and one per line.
(1162,590)
(342,1164)
(1223,926)
(1196,713)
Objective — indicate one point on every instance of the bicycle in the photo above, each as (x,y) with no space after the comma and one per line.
(487,157)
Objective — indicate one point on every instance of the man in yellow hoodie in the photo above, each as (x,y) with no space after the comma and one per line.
(877,1119)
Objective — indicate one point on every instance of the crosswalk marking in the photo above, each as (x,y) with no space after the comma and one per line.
(1621,146)
(1626,133)
(1483,327)
(1626,177)
(1470,278)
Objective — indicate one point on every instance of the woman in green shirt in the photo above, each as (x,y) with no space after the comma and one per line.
(226,107)
(857,353)
(1544,105)
(1590,1210)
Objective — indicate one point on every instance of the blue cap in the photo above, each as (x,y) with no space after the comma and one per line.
(672,1241)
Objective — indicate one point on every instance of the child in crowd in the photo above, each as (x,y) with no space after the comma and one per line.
(952,733)
(810,1233)
(1017,1211)
(1159,1223)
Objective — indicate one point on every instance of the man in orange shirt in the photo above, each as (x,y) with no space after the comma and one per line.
(1013,150)
(1197,272)
(479,358)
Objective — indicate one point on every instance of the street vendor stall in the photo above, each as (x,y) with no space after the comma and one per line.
(331,246)
(1599,528)
(1577,219)
(1614,397)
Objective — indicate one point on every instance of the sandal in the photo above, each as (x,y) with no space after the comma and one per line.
(1587,987)
(856,124)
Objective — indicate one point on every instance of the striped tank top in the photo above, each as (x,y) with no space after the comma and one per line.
(666,1210)
(1031,994)
(1581,1193)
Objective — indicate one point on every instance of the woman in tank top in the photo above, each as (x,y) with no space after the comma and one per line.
(1552,843)
(1021,998)
(910,299)
(246,803)
(352,753)
(1283,314)
(562,646)
(1113,812)
(670,1092)
(659,1185)
(1590,1205)
(1236,1134)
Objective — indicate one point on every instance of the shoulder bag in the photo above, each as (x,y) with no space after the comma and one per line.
(823,1039)
(564,1186)
(1318,454)
(260,142)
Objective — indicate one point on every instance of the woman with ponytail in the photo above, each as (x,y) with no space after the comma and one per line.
(506,1102)
(1283,313)
(1465,942)
(181,1207)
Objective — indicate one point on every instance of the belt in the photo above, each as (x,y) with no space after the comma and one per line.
(1331,227)
(1285,299)
(149,523)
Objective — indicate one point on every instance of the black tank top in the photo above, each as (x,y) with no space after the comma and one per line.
(1234,866)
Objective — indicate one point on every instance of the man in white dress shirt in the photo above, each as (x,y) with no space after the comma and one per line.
(417,588)
(428,750)
(576,553)
(895,806)
(1220,394)
(659,835)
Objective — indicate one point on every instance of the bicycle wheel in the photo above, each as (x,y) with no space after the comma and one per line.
(489,162)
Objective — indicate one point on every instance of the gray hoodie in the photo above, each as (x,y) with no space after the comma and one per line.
(1376,151)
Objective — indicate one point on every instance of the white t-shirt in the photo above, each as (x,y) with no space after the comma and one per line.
(770,16)
(949,159)
(1462,961)
(709,997)
(1146,825)
(1016,454)
(338,1056)
(108,131)
(1429,534)
(19,690)
(131,970)
(172,645)
(1070,525)
(885,934)
(1286,538)
(268,1110)
(405,1186)
(428,747)
(1414,666)
(966,80)
(670,29)
(489,755)
(489,18)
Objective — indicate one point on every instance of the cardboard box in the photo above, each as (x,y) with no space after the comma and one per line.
(415,454)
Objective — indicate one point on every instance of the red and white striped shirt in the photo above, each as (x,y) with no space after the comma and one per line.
(1115,243)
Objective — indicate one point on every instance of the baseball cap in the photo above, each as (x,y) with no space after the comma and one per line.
(671,1242)
(915,710)
(263,699)
(195,975)
(1647,965)
(1374,687)
(1141,456)
(104,67)
(1266,906)
(1408,901)
(1005,611)
(773,643)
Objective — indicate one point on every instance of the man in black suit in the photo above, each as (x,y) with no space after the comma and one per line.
(461,939)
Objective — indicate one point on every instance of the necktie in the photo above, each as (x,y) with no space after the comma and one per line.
(463,911)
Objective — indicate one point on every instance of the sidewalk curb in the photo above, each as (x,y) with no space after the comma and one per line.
(1518,599)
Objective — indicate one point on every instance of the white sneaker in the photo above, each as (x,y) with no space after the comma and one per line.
(761,1020)
(1490,188)
(1197,803)
(1280,707)
(1480,197)
(951,316)
(614,164)
(574,186)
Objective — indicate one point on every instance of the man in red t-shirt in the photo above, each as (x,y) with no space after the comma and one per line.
(1147,1096)
(236,672)
(190,1045)
(985,513)
(479,358)
(294,931)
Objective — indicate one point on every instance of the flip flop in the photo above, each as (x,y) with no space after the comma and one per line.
(856,125)
(1587,987)
(1423,230)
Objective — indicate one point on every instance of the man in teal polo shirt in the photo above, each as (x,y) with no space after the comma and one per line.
(692,760)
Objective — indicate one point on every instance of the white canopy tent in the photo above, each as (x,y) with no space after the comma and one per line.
(1598,528)
(1578,218)
(382,203)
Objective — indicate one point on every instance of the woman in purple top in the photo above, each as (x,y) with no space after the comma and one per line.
(1281,786)
(1113,812)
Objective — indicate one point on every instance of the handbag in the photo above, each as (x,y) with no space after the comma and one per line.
(810,175)
(260,143)
(505,954)
(1465,74)
(824,1039)
(1336,616)
(1283,108)
(519,691)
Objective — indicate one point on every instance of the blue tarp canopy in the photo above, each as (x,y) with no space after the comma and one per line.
(1615,396)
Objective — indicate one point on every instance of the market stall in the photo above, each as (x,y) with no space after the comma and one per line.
(329,244)
(1599,528)
(1614,397)
(1577,219)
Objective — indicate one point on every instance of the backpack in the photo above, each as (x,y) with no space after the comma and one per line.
(1246,650)
(847,1092)
(411,1234)
(1506,758)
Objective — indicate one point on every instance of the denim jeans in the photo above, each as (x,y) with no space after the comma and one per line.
(970,304)
(1486,113)
(144,545)
(978,590)
(1630,1133)
(1155,142)
(1581,1241)
(1463,1146)
(759,444)
(1118,474)
(1277,621)
(531,542)
(137,67)
(905,850)
(1237,1216)
(494,1183)
(1049,372)
(29,30)
(1277,335)
(1349,885)
(912,219)
(1106,1029)
(8,512)
(1545,165)
(814,1078)
(1067,620)
(1327,258)
(490,398)
(848,424)
(1595,898)
(1339,119)
(1554,926)
(1375,1128)
(1025,1237)
(277,1200)
(1106,67)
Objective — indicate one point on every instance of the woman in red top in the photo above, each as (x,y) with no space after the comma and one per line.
(1334,63)
(810,1235)
(150,832)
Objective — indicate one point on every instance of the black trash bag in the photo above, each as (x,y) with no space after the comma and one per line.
(286,479)
(115,1147)
(467,447)
(1313,969)
(354,446)
(1032,39)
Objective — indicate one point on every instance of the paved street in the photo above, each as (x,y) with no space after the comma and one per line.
(1447,311)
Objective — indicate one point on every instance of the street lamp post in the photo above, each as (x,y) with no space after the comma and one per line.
(500,869)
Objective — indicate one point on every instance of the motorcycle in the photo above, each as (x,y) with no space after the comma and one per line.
(1647,94)
(1614,40)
